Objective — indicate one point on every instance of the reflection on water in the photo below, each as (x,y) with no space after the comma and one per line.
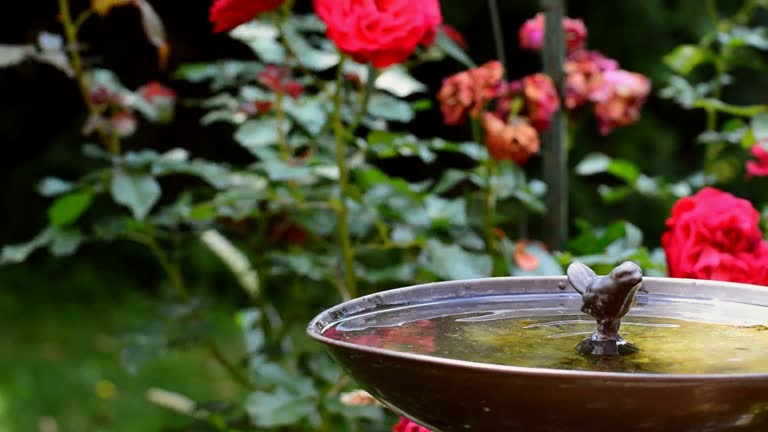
(536,331)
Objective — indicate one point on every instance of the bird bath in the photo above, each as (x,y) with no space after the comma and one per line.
(520,354)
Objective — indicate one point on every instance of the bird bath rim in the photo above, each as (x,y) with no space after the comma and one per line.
(684,289)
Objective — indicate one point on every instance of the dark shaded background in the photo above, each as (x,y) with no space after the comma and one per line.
(41,112)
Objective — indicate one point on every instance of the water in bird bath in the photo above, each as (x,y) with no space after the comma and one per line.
(675,336)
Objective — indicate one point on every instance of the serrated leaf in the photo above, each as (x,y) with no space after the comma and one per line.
(138,192)
(68,208)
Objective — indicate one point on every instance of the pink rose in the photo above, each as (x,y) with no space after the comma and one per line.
(618,96)
(405,425)
(583,70)
(759,167)
(380,32)
(531,33)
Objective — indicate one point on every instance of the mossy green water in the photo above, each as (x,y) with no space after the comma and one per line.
(667,345)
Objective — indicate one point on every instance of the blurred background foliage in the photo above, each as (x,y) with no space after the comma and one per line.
(62,319)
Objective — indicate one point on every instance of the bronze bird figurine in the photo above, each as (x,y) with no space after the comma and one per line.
(607,299)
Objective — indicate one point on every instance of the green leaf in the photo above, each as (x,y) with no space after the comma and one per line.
(11,55)
(309,113)
(278,408)
(138,192)
(259,133)
(52,186)
(389,108)
(153,29)
(452,50)
(451,262)
(759,125)
(450,178)
(69,208)
(309,56)
(141,349)
(65,242)
(445,212)
(685,58)
(548,265)
(13,254)
(593,163)
(397,80)
(262,38)
(624,170)
(234,259)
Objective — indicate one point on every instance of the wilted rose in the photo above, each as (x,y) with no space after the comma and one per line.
(469,91)
(517,141)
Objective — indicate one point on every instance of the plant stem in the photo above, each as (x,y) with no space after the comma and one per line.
(365,96)
(70,32)
(282,142)
(177,280)
(498,33)
(350,281)
(489,201)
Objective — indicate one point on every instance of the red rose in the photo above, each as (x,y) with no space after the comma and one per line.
(715,235)
(405,425)
(228,14)
(380,32)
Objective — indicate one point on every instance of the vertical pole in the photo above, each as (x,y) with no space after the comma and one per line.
(554,140)
(498,33)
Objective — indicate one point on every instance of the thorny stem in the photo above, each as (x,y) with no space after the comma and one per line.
(177,280)
(71,29)
(350,281)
